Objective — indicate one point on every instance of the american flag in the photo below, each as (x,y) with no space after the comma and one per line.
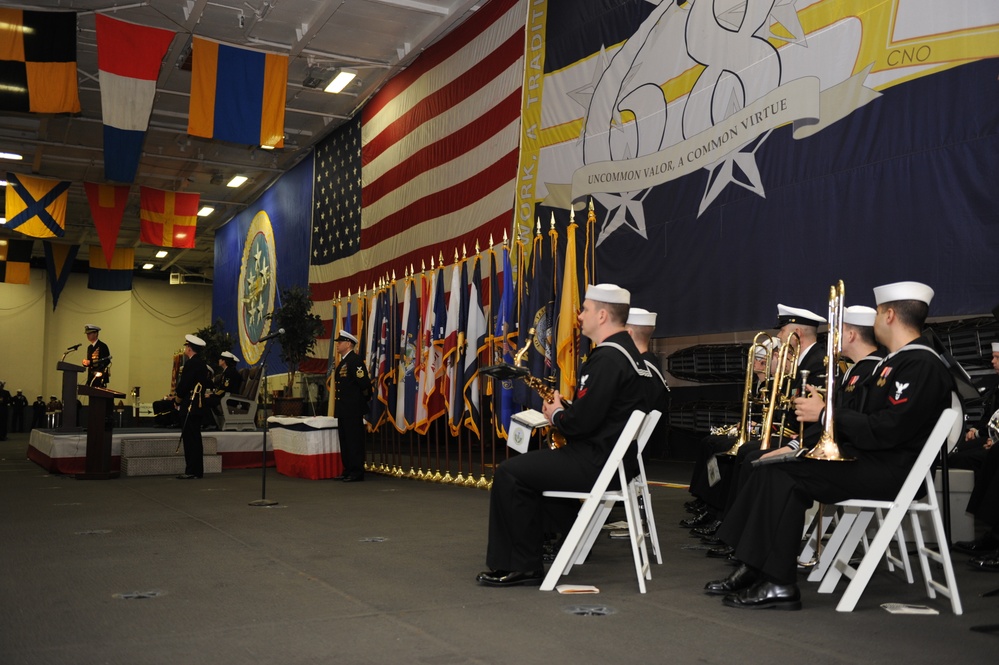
(336,215)
(439,153)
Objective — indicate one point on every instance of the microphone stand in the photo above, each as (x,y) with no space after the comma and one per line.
(263,500)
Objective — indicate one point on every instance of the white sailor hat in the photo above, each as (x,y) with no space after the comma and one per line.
(765,347)
(609,293)
(230,357)
(903,291)
(786,315)
(641,317)
(344,336)
(859,315)
(995,347)
(194,340)
(90,327)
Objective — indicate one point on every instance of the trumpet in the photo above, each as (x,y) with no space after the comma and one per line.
(827,449)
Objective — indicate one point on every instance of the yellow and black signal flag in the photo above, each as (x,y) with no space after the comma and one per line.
(38,62)
(36,207)
(15,261)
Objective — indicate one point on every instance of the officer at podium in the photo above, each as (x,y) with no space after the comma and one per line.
(98,360)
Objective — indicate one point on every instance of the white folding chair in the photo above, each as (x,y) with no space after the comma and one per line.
(593,512)
(859,513)
(638,487)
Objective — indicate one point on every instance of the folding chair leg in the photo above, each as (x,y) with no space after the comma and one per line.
(857,522)
(831,549)
(636,534)
(650,523)
(870,561)
(567,553)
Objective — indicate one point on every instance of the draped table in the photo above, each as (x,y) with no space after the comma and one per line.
(306,447)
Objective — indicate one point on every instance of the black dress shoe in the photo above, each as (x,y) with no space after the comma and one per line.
(700,519)
(340,477)
(766,595)
(988,562)
(353,479)
(187,476)
(722,552)
(709,529)
(509,578)
(983,545)
(695,506)
(714,541)
(741,577)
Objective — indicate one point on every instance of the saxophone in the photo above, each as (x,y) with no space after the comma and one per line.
(542,388)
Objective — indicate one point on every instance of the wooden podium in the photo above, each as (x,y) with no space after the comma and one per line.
(69,382)
(100,425)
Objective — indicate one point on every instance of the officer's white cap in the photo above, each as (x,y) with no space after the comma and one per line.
(641,317)
(608,293)
(859,315)
(903,291)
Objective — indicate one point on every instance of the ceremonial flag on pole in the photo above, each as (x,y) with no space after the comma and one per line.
(433,378)
(168,219)
(15,261)
(378,365)
(408,349)
(538,313)
(107,207)
(237,95)
(454,346)
(58,265)
(331,359)
(128,59)
(505,337)
(38,62)
(114,275)
(36,206)
(475,337)
(425,375)
(568,321)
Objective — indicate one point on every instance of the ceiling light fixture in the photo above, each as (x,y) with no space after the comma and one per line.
(161,254)
(341,78)
(205,211)
(147,266)
(236,181)
(11,155)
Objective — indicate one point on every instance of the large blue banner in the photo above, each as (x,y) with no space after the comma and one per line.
(259,252)
(741,158)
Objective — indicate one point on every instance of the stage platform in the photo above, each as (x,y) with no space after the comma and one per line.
(66,452)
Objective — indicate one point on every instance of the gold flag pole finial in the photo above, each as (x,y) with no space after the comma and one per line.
(476,245)
(505,238)
(537,229)
(572,215)
(464,251)
(553,220)
(455,254)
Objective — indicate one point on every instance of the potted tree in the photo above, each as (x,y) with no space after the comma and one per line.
(301,327)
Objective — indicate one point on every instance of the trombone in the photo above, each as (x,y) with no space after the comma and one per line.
(827,449)
(783,386)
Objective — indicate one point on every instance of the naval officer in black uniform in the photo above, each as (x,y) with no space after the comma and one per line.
(904,398)
(230,381)
(97,360)
(612,384)
(641,325)
(194,382)
(353,392)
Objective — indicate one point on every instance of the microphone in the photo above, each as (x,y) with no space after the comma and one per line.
(280,331)
(74,347)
